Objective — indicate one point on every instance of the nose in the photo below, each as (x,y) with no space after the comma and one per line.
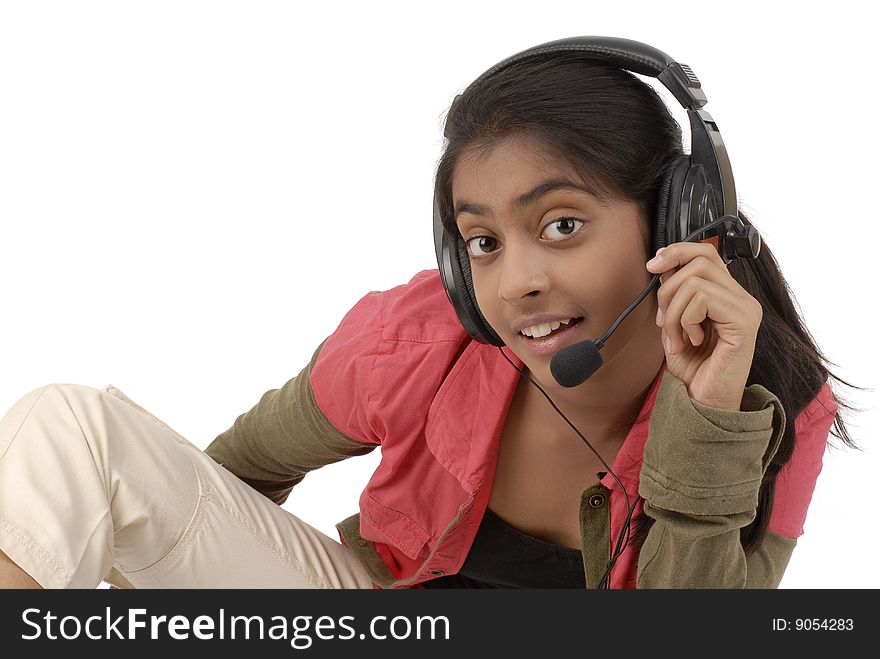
(524,271)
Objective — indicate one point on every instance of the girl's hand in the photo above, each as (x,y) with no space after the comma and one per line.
(709,323)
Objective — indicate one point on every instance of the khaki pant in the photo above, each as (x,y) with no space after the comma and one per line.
(94,488)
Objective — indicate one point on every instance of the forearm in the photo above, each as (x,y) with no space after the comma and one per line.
(700,479)
(686,552)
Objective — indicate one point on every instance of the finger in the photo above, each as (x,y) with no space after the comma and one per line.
(701,267)
(691,300)
(674,340)
(680,254)
(666,275)
(700,299)
(692,327)
(662,308)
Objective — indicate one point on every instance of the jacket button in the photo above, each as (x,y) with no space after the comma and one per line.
(361,542)
(597,500)
(437,573)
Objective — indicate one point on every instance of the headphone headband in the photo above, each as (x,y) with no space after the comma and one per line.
(627,54)
(707,147)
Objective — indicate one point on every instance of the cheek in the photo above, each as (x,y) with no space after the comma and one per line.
(485,294)
(617,284)
(610,284)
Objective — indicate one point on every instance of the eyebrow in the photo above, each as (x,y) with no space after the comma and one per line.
(525,199)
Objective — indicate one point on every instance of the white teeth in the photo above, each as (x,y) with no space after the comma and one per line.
(537,331)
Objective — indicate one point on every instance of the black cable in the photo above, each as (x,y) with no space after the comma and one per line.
(601,459)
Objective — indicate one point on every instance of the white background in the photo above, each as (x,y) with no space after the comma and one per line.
(192,194)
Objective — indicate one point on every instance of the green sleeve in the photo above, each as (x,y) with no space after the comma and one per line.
(282,438)
(700,478)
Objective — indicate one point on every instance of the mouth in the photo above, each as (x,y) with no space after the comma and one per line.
(559,338)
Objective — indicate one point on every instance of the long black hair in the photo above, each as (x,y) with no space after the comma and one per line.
(618,134)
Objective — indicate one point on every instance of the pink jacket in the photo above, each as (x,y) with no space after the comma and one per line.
(401,372)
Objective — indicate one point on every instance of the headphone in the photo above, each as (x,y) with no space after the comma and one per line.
(695,189)
(696,201)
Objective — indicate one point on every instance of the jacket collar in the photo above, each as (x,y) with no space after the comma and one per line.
(467,415)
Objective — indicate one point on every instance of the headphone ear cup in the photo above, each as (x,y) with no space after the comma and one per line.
(455,275)
(669,194)
(481,330)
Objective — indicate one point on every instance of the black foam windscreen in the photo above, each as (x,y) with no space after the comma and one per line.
(574,364)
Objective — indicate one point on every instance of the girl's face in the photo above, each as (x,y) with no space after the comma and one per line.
(551,250)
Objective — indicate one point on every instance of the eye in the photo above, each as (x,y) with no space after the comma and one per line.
(480,246)
(568,222)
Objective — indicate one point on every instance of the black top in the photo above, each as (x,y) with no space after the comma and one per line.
(504,557)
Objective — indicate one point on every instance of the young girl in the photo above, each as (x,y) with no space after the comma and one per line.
(687,459)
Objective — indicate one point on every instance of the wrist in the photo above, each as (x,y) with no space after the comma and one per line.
(728,404)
